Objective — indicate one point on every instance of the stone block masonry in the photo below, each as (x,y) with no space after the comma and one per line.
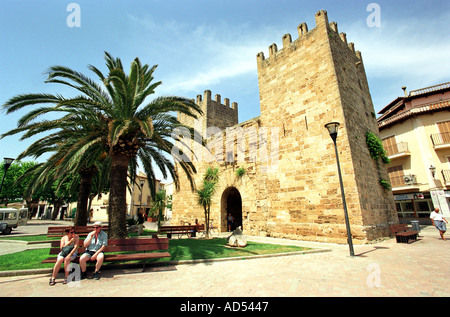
(292,191)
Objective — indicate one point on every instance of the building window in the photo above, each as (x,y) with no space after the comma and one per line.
(390,145)
(443,137)
(423,208)
(405,209)
(418,208)
(396,175)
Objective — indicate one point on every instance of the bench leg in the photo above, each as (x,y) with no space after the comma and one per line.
(414,237)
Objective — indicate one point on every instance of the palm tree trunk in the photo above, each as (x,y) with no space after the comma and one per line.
(206,221)
(83,195)
(118,197)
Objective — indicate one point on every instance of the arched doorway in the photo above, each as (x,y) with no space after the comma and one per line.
(231,203)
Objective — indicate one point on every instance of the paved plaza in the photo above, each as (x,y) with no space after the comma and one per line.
(384,269)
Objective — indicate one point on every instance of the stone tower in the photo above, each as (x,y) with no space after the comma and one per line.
(215,114)
(314,80)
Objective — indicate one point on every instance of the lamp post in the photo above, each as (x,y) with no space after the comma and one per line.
(141,182)
(6,163)
(140,225)
(333,130)
(432,170)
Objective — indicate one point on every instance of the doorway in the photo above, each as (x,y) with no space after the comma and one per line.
(231,205)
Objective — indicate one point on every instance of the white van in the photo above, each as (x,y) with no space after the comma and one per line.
(9,218)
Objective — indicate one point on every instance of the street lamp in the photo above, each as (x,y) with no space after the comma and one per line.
(141,182)
(333,130)
(6,163)
(432,170)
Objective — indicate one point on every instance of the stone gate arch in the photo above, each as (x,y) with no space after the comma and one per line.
(231,202)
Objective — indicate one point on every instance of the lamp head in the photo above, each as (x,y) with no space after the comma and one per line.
(7,162)
(333,129)
(432,170)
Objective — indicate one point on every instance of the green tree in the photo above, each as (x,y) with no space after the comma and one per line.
(205,193)
(14,184)
(126,125)
(158,205)
(70,157)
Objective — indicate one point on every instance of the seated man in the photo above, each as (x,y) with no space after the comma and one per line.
(95,243)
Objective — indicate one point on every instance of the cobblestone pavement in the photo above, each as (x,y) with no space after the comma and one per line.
(387,268)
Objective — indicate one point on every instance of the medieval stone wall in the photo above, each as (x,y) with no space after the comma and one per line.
(290,187)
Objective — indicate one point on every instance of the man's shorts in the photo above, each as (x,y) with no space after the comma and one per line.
(440,225)
(90,253)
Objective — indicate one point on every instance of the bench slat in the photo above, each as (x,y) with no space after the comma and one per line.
(123,248)
(141,249)
(187,229)
(123,257)
(136,256)
(79,230)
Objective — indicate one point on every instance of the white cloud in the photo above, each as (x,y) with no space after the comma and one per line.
(405,48)
(199,56)
(228,63)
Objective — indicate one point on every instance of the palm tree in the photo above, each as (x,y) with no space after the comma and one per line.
(70,158)
(125,125)
(205,193)
(159,205)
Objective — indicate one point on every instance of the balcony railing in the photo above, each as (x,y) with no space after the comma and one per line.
(398,148)
(440,139)
(446,175)
(429,89)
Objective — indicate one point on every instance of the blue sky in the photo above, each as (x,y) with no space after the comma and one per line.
(212,44)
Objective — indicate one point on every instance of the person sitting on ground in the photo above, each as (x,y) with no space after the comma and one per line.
(95,244)
(68,245)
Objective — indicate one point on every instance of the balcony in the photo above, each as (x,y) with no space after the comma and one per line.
(441,140)
(404,183)
(397,150)
(446,175)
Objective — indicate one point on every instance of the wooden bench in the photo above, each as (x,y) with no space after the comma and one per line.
(201,229)
(190,230)
(79,230)
(403,234)
(136,250)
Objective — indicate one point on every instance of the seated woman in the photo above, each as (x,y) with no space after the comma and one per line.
(68,245)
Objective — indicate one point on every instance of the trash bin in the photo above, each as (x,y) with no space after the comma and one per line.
(415,225)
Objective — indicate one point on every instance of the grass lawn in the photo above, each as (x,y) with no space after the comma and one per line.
(41,237)
(179,249)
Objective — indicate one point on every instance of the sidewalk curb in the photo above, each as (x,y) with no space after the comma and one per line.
(167,263)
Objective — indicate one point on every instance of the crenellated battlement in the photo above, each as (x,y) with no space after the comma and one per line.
(322,24)
(217,101)
(216,113)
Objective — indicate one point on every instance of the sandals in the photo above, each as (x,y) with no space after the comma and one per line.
(53,282)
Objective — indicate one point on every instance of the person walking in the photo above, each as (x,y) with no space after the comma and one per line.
(439,222)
